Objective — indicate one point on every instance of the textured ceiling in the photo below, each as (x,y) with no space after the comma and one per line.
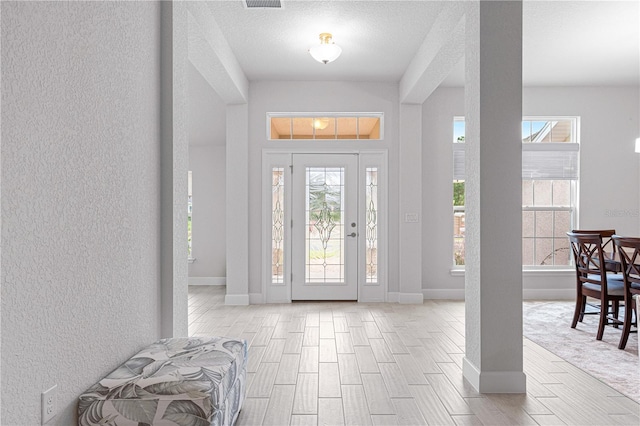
(577,43)
(565,42)
(378,38)
(582,43)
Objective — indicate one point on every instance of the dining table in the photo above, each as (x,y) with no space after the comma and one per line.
(612,262)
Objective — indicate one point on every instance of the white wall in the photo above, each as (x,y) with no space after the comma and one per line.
(207,161)
(609,168)
(207,111)
(302,96)
(174,46)
(80,196)
(208,167)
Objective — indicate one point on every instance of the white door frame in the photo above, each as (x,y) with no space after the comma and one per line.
(338,288)
(280,292)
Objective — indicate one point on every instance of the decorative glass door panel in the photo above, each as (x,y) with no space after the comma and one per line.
(325,232)
(371,225)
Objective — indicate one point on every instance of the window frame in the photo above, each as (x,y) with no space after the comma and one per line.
(372,291)
(316,115)
(572,208)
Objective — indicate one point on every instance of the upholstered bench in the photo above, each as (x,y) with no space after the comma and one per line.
(180,381)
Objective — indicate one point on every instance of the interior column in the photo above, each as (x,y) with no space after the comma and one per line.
(174,286)
(493,278)
(410,288)
(237,205)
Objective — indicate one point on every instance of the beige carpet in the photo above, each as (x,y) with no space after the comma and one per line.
(548,323)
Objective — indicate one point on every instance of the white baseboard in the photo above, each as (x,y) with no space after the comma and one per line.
(207,280)
(255,299)
(527,294)
(410,298)
(236,299)
(370,300)
(494,381)
(405,298)
(443,294)
(417,298)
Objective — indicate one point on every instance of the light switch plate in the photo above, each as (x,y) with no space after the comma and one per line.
(411,217)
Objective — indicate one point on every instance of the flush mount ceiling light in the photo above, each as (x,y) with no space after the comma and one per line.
(327,51)
(320,123)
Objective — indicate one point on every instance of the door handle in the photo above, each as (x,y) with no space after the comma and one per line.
(353,234)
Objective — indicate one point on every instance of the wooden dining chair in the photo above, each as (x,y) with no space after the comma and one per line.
(609,251)
(593,280)
(608,247)
(629,254)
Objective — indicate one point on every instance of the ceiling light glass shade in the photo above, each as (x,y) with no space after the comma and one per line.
(320,123)
(638,145)
(327,51)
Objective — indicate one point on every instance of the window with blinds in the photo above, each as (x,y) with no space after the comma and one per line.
(541,158)
(550,175)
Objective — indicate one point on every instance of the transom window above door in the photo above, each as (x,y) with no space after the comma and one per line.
(324,126)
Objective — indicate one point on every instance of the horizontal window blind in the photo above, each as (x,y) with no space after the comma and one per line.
(539,161)
(458,161)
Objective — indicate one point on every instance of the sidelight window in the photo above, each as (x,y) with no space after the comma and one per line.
(277,225)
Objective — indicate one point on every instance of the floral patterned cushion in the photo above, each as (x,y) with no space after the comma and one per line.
(180,381)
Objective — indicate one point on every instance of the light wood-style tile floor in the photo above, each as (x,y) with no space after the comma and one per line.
(344,363)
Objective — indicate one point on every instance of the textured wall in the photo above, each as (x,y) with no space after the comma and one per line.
(410,189)
(207,112)
(208,166)
(207,160)
(609,119)
(80,196)
(304,96)
(493,245)
(174,167)
(212,56)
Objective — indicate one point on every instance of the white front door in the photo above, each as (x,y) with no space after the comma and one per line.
(325,227)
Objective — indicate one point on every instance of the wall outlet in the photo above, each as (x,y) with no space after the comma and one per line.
(49,404)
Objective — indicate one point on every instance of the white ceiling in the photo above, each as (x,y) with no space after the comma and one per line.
(564,42)
(378,38)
